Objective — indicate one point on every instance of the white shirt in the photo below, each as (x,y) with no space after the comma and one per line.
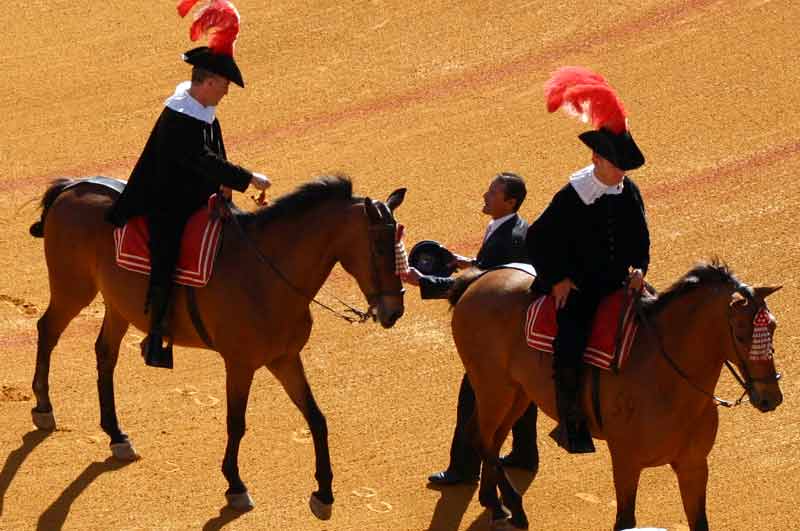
(589,187)
(496,223)
(183,102)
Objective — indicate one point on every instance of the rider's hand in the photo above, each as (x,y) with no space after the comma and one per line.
(461,262)
(260,181)
(560,292)
(411,276)
(635,281)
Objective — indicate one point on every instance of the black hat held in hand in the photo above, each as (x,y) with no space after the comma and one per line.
(431,258)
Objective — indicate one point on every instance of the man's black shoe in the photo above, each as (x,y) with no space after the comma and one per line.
(448,477)
(513,460)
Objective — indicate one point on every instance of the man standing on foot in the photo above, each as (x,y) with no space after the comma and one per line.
(503,243)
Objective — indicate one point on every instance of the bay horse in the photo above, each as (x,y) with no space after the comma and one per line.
(255,308)
(658,410)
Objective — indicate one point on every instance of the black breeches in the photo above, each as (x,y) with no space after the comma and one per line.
(574,325)
(165,246)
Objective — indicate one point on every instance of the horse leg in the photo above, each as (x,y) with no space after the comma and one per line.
(511,498)
(626,483)
(692,480)
(238,379)
(107,352)
(62,309)
(493,427)
(289,371)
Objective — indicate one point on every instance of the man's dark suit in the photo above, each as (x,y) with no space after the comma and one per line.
(505,245)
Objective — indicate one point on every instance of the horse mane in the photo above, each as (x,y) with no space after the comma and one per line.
(302,199)
(704,273)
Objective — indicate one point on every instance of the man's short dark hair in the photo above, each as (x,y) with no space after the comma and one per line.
(514,187)
(200,74)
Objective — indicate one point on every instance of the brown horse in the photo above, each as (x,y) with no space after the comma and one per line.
(658,410)
(255,308)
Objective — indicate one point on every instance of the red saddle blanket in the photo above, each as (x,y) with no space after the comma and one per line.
(201,239)
(541,329)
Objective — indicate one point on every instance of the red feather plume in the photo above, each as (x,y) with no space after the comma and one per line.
(219,19)
(585,93)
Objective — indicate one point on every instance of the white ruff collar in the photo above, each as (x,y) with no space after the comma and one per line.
(589,188)
(184,103)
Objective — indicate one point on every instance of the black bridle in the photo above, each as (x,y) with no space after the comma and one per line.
(375,231)
(746,382)
(377,235)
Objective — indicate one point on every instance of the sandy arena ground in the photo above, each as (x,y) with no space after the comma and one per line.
(437,97)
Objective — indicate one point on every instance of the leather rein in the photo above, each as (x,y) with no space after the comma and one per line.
(372,298)
(745,382)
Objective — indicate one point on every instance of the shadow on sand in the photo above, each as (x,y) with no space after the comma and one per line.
(226,516)
(55,515)
(14,461)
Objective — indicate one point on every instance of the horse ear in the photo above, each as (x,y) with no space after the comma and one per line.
(737,299)
(766,291)
(396,198)
(372,210)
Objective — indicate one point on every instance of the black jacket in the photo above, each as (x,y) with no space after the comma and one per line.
(182,165)
(594,245)
(505,245)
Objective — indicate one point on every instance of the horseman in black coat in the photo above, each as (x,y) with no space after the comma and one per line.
(183,163)
(590,240)
(503,243)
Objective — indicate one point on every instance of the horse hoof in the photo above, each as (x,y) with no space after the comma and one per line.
(320,509)
(43,421)
(241,502)
(124,451)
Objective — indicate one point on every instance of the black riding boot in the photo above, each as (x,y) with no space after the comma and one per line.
(572,432)
(153,351)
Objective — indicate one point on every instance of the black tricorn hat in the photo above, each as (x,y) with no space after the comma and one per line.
(432,258)
(585,93)
(220,64)
(619,149)
(220,20)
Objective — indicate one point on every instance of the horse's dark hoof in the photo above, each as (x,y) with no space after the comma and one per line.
(320,509)
(124,451)
(43,420)
(240,501)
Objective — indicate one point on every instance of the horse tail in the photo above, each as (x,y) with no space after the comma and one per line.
(462,283)
(48,198)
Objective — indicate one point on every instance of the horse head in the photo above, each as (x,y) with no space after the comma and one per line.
(377,275)
(752,329)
